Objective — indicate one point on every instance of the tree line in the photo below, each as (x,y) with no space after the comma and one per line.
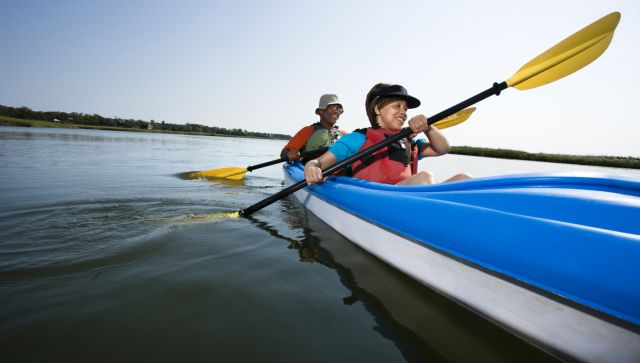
(601,160)
(76,118)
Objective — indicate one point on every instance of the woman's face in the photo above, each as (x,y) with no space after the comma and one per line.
(393,115)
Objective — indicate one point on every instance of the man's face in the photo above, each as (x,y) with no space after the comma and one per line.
(331,113)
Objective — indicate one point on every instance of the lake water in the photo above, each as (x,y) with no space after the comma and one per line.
(106,254)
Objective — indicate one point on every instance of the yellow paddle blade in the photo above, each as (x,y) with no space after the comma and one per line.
(211,216)
(568,56)
(226,173)
(456,118)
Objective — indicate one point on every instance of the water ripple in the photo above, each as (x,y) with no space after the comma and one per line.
(80,235)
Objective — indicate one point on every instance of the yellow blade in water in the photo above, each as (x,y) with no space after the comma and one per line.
(212,216)
(227,173)
(456,118)
(568,56)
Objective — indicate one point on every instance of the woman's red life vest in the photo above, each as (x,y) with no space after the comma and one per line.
(389,165)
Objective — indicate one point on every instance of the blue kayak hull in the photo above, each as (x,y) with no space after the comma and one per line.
(552,257)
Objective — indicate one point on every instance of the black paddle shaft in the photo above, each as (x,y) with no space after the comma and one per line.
(494,90)
(305,155)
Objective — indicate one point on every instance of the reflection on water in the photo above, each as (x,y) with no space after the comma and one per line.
(424,325)
(310,250)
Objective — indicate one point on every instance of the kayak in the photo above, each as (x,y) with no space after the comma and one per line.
(553,258)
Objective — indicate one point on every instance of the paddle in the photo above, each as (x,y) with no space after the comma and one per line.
(455,119)
(235,173)
(238,173)
(566,57)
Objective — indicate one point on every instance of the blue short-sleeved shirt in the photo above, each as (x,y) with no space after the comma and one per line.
(349,144)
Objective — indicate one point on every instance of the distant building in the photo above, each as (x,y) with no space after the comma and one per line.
(56,120)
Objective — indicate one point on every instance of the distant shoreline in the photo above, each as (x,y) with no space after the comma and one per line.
(12,121)
(606,161)
(24,116)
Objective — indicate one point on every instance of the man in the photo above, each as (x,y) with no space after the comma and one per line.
(321,134)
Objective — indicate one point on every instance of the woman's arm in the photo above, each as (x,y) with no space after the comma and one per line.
(346,146)
(313,168)
(437,145)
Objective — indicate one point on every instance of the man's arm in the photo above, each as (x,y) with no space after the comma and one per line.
(291,150)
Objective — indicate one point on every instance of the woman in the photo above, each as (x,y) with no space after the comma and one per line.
(386,107)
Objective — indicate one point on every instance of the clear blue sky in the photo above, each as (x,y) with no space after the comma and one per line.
(261,65)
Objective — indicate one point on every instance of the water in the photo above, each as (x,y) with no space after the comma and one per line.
(107,255)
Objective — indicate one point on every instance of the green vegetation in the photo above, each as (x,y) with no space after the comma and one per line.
(10,121)
(609,161)
(24,116)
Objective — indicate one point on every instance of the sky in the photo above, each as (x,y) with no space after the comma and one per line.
(262,65)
